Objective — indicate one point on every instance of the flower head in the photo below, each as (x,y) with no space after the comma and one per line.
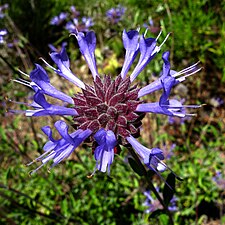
(114,15)
(58,20)
(107,113)
(154,204)
(81,25)
(74,12)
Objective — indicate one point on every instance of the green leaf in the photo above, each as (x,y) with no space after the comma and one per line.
(135,167)
(169,188)
(156,213)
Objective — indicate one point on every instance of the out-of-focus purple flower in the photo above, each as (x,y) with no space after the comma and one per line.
(107,113)
(114,15)
(2,9)
(74,12)
(151,27)
(168,152)
(219,180)
(216,102)
(54,49)
(77,25)
(58,20)
(154,204)
(2,34)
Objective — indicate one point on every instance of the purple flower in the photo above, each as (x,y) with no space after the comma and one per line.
(107,113)
(2,34)
(57,20)
(151,26)
(114,15)
(77,25)
(219,180)
(154,204)
(2,9)
(165,106)
(74,12)
(54,49)
(168,152)
(104,152)
(216,102)
(57,150)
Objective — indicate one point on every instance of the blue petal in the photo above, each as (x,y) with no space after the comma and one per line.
(157,85)
(151,157)
(153,107)
(104,153)
(62,148)
(100,136)
(147,47)
(142,151)
(62,61)
(130,42)
(40,78)
(87,46)
(43,108)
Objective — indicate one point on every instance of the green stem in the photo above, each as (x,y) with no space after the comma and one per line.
(151,186)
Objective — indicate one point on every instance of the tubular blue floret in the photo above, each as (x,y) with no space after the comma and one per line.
(151,157)
(157,85)
(165,106)
(43,108)
(104,153)
(147,47)
(62,61)
(87,44)
(130,43)
(40,78)
(62,148)
(168,75)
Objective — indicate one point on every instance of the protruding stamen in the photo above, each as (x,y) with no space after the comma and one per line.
(28,164)
(184,77)
(146,31)
(53,68)
(191,114)
(27,75)
(185,70)
(167,36)
(165,165)
(34,171)
(183,106)
(159,35)
(90,176)
(23,82)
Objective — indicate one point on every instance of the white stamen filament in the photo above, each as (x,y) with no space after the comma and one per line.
(186,70)
(33,171)
(27,75)
(167,36)
(184,77)
(159,35)
(146,31)
(183,106)
(53,68)
(158,48)
(22,82)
